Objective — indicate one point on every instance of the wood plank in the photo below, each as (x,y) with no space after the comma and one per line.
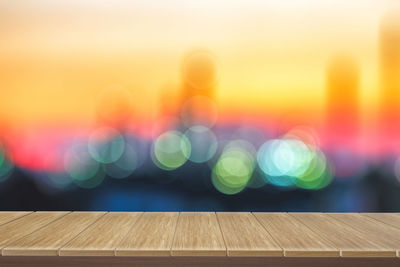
(245,236)
(295,238)
(47,240)
(43,261)
(198,234)
(25,225)
(392,219)
(351,243)
(8,216)
(152,235)
(102,237)
(375,231)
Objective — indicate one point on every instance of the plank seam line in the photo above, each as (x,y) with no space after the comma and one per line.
(128,232)
(58,250)
(222,234)
(258,221)
(351,227)
(322,237)
(7,245)
(173,238)
(377,220)
(17,218)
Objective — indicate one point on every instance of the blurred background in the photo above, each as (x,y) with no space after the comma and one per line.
(200,105)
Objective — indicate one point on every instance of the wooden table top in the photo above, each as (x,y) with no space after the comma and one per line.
(199,234)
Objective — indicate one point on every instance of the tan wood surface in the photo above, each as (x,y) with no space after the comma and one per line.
(205,234)
(152,235)
(245,236)
(351,242)
(296,239)
(101,238)
(25,225)
(198,234)
(392,219)
(8,216)
(375,231)
(47,240)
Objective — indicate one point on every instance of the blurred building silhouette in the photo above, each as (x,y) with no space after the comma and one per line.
(200,73)
(389,60)
(194,101)
(342,99)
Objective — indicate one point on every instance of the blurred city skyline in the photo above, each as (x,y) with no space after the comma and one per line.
(272,55)
(234,96)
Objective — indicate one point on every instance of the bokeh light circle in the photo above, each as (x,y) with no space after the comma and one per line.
(201,69)
(203,143)
(125,165)
(106,145)
(6,166)
(284,157)
(82,168)
(233,169)
(171,150)
(318,175)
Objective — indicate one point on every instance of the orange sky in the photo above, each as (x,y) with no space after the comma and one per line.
(57,57)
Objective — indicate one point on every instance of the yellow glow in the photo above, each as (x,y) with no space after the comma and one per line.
(57,57)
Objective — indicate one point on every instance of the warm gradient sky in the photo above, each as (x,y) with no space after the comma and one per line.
(57,56)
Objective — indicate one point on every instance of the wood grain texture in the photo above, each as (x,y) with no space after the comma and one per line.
(8,216)
(245,236)
(198,234)
(25,225)
(351,243)
(375,231)
(206,234)
(101,238)
(295,238)
(152,235)
(47,240)
(392,219)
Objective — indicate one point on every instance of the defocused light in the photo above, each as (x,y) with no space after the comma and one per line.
(283,181)
(125,165)
(265,158)
(171,150)
(106,145)
(83,169)
(292,157)
(233,169)
(92,182)
(2,155)
(203,143)
(6,165)
(199,110)
(306,134)
(290,161)
(201,70)
(318,175)
(60,180)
